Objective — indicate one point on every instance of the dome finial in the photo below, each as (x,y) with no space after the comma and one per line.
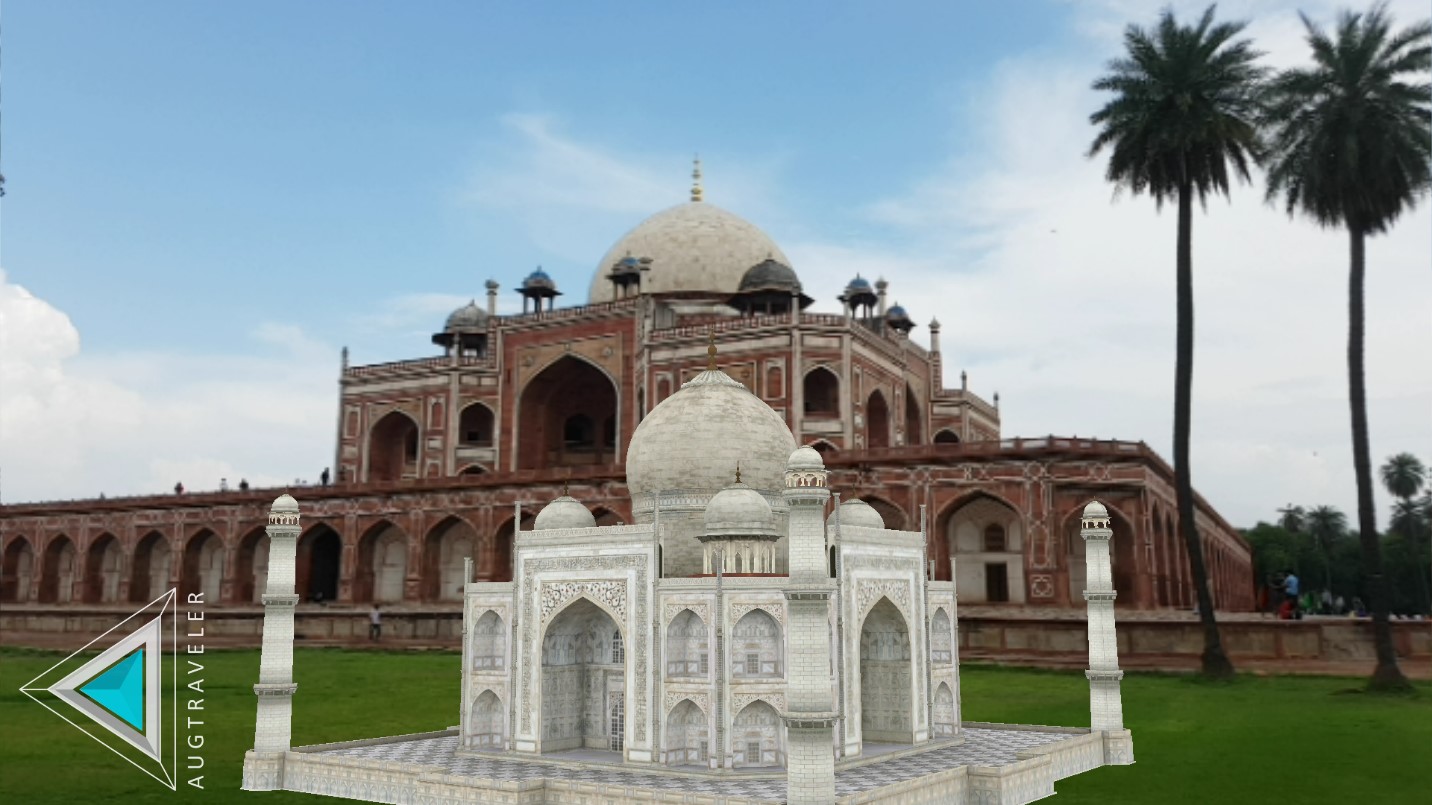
(738,472)
(564,488)
(710,350)
(696,178)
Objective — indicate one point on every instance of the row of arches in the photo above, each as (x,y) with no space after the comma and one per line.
(382,564)
(821,391)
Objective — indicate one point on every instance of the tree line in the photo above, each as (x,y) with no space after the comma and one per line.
(1317,544)
(1345,141)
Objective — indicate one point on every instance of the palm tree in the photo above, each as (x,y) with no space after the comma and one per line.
(1292,518)
(1185,108)
(1403,475)
(1326,525)
(1351,147)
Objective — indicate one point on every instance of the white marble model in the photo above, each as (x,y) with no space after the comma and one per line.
(734,641)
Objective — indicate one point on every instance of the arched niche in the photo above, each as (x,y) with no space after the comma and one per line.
(393,448)
(448,544)
(583,695)
(886,683)
(986,537)
(820,389)
(561,413)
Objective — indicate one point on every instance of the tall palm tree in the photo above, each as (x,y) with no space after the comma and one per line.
(1352,144)
(1185,109)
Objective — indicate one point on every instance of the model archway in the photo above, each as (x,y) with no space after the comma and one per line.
(561,413)
(756,646)
(688,735)
(986,535)
(18,571)
(944,726)
(583,675)
(445,551)
(886,695)
(756,737)
(687,646)
(485,723)
(489,643)
(877,421)
(104,566)
(150,568)
(393,448)
(319,564)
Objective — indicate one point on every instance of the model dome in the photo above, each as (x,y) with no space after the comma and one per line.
(284,503)
(694,439)
(738,511)
(1095,509)
(693,247)
(857,513)
(564,512)
(805,458)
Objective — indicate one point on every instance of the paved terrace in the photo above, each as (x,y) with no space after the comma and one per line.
(983,746)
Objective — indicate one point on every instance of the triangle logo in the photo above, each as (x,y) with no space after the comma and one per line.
(120,691)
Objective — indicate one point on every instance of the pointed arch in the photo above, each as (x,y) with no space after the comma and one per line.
(1121,554)
(941,638)
(485,721)
(756,646)
(150,568)
(382,564)
(475,425)
(914,418)
(986,534)
(58,571)
(582,700)
(688,649)
(756,736)
(561,412)
(18,575)
(688,734)
(494,561)
(393,447)
(448,544)
(489,642)
(251,574)
(820,388)
(944,725)
(887,681)
(877,421)
(203,570)
(104,566)
(319,563)
(947,436)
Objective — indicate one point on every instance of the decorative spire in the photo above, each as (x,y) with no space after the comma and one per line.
(696,179)
(564,488)
(710,350)
(738,472)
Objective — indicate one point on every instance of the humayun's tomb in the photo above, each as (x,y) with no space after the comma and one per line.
(442,459)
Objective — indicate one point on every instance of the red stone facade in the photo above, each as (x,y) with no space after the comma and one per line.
(433,453)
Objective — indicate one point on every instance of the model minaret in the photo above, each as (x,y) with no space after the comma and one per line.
(263,766)
(1106,709)
(810,721)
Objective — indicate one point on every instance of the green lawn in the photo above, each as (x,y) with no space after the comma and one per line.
(1276,740)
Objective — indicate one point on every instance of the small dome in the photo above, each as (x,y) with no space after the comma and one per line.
(539,279)
(805,458)
(857,513)
(467,317)
(738,510)
(770,275)
(1095,509)
(858,284)
(564,512)
(897,312)
(284,503)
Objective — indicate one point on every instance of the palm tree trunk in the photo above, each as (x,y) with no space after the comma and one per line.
(1387,676)
(1215,662)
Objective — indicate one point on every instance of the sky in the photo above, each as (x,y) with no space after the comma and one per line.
(206,202)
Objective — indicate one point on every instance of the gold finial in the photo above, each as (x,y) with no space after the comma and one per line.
(696,179)
(710,350)
(564,488)
(738,472)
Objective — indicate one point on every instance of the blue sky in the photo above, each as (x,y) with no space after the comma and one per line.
(206,201)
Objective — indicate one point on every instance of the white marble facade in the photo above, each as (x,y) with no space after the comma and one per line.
(625,638)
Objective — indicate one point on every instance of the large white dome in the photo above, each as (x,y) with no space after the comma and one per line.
(694,439)
(694,246)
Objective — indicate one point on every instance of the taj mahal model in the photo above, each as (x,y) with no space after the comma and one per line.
(668,661)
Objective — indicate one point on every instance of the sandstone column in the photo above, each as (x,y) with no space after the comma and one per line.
(263,765)
(810,721)
(1106,707)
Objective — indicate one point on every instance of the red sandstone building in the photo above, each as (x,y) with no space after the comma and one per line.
(434,453)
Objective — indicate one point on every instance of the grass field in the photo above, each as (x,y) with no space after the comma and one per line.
(1276,740)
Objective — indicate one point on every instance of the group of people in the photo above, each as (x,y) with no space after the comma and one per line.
(1283,596)
(323,477)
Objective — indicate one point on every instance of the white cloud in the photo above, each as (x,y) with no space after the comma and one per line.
(75,424)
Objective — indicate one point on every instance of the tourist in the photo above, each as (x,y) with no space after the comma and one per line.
(1339,606)
(178,488)
(375,623)
(1327,608)
(323,477)
(223,484)
(243,484)
(1290,589)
